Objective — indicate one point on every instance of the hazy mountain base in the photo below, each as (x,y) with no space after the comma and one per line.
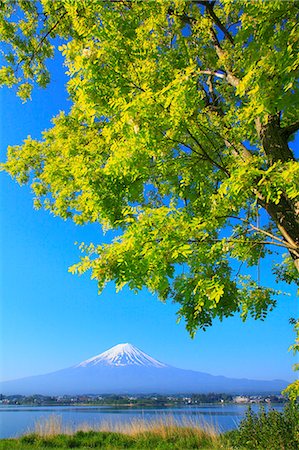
(135,380)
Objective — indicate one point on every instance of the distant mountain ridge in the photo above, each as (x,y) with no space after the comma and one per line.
(124,369)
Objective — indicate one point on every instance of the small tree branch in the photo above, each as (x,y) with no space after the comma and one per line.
(215,163)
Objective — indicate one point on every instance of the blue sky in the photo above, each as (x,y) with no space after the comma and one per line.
(51,319)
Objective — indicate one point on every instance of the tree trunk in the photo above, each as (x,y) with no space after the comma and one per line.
(285,213)
(287,222)
(274,141)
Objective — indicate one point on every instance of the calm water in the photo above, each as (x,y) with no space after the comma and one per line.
(16,420)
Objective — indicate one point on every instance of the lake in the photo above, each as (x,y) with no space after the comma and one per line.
(17,420)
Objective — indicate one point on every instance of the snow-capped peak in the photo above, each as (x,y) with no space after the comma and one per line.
(123,355)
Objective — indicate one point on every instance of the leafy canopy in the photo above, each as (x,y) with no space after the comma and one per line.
(178,138)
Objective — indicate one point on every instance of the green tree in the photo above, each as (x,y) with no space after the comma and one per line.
(178,137)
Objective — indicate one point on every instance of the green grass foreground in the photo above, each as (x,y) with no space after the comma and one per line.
(113,440)
(159,436)
(258,431)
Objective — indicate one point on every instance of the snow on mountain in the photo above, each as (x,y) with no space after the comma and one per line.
(122,355)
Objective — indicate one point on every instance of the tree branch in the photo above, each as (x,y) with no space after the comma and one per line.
(45,36)
(291,129)
(197,241)
(260,230)
(230,77)
(210,9)
(214,73)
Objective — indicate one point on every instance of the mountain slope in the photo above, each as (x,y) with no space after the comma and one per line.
(124,369)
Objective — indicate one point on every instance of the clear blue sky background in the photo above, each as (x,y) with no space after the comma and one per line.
(51,319)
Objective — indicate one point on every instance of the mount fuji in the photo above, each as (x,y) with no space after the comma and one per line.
(124,369)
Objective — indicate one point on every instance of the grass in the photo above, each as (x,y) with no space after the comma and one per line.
(138,434)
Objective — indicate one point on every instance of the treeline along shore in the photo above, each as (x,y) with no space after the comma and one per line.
(138,400)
